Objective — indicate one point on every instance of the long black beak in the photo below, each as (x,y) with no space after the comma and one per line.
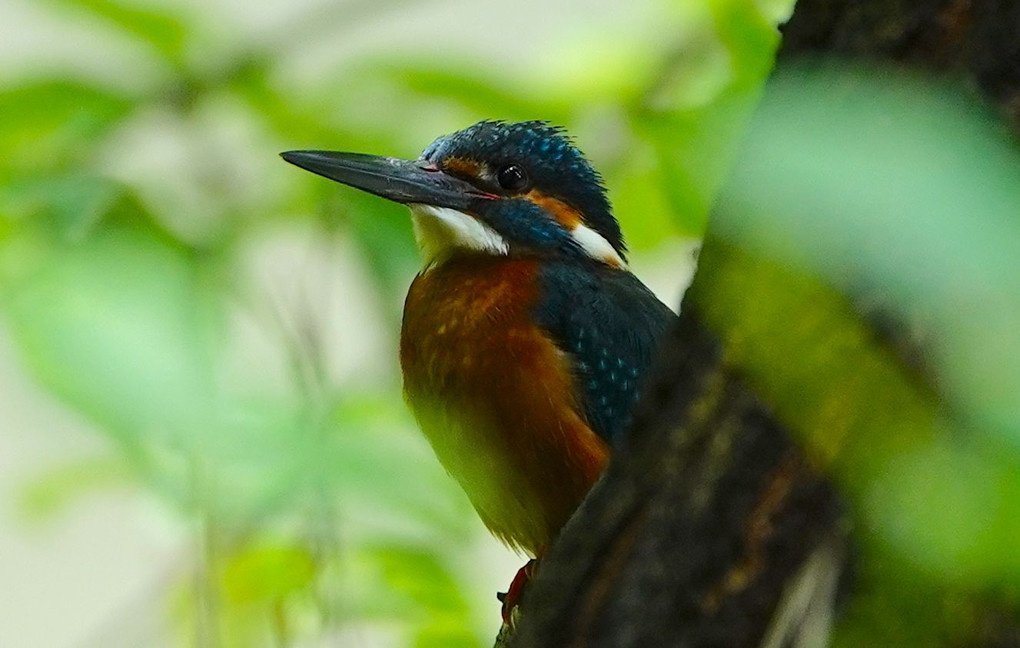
(403,181)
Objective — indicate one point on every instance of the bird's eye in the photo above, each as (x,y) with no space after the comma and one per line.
(512,177)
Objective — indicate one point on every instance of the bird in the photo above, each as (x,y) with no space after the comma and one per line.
(525,339)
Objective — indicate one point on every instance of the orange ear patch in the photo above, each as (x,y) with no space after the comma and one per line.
(564,214)
(462,167)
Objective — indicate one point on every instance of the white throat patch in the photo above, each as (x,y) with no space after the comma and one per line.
(440,230)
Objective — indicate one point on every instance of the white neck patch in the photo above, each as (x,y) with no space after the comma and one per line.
(440,230)
(596,246)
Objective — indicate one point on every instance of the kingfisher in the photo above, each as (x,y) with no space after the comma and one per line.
(525,338)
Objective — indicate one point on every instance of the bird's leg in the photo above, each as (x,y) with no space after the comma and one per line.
(512,597)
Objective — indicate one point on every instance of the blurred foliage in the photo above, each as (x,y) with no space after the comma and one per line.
(867,191)
(141,213)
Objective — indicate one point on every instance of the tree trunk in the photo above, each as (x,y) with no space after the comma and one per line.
(714,527)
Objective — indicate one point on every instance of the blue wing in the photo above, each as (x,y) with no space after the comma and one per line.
(610,324)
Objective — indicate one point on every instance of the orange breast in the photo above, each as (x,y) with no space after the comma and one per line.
(496,398)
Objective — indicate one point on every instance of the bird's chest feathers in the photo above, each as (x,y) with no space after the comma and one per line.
(496,398)
(464,319)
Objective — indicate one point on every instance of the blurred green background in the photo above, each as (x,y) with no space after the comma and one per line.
(202,438)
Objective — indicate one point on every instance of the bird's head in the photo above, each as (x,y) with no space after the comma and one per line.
(495,188)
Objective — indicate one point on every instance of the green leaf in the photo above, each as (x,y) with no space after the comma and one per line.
(750,38)
(71,204)
(428,584)
(266,573)
(693,117)
(49,123)
(52,492)
(967,539)
(116,326)
(638,191)
(475,90)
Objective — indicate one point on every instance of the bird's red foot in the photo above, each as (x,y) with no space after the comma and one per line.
(512,597)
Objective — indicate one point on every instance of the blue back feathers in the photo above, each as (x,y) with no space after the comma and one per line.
(610,324)
(556,166)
